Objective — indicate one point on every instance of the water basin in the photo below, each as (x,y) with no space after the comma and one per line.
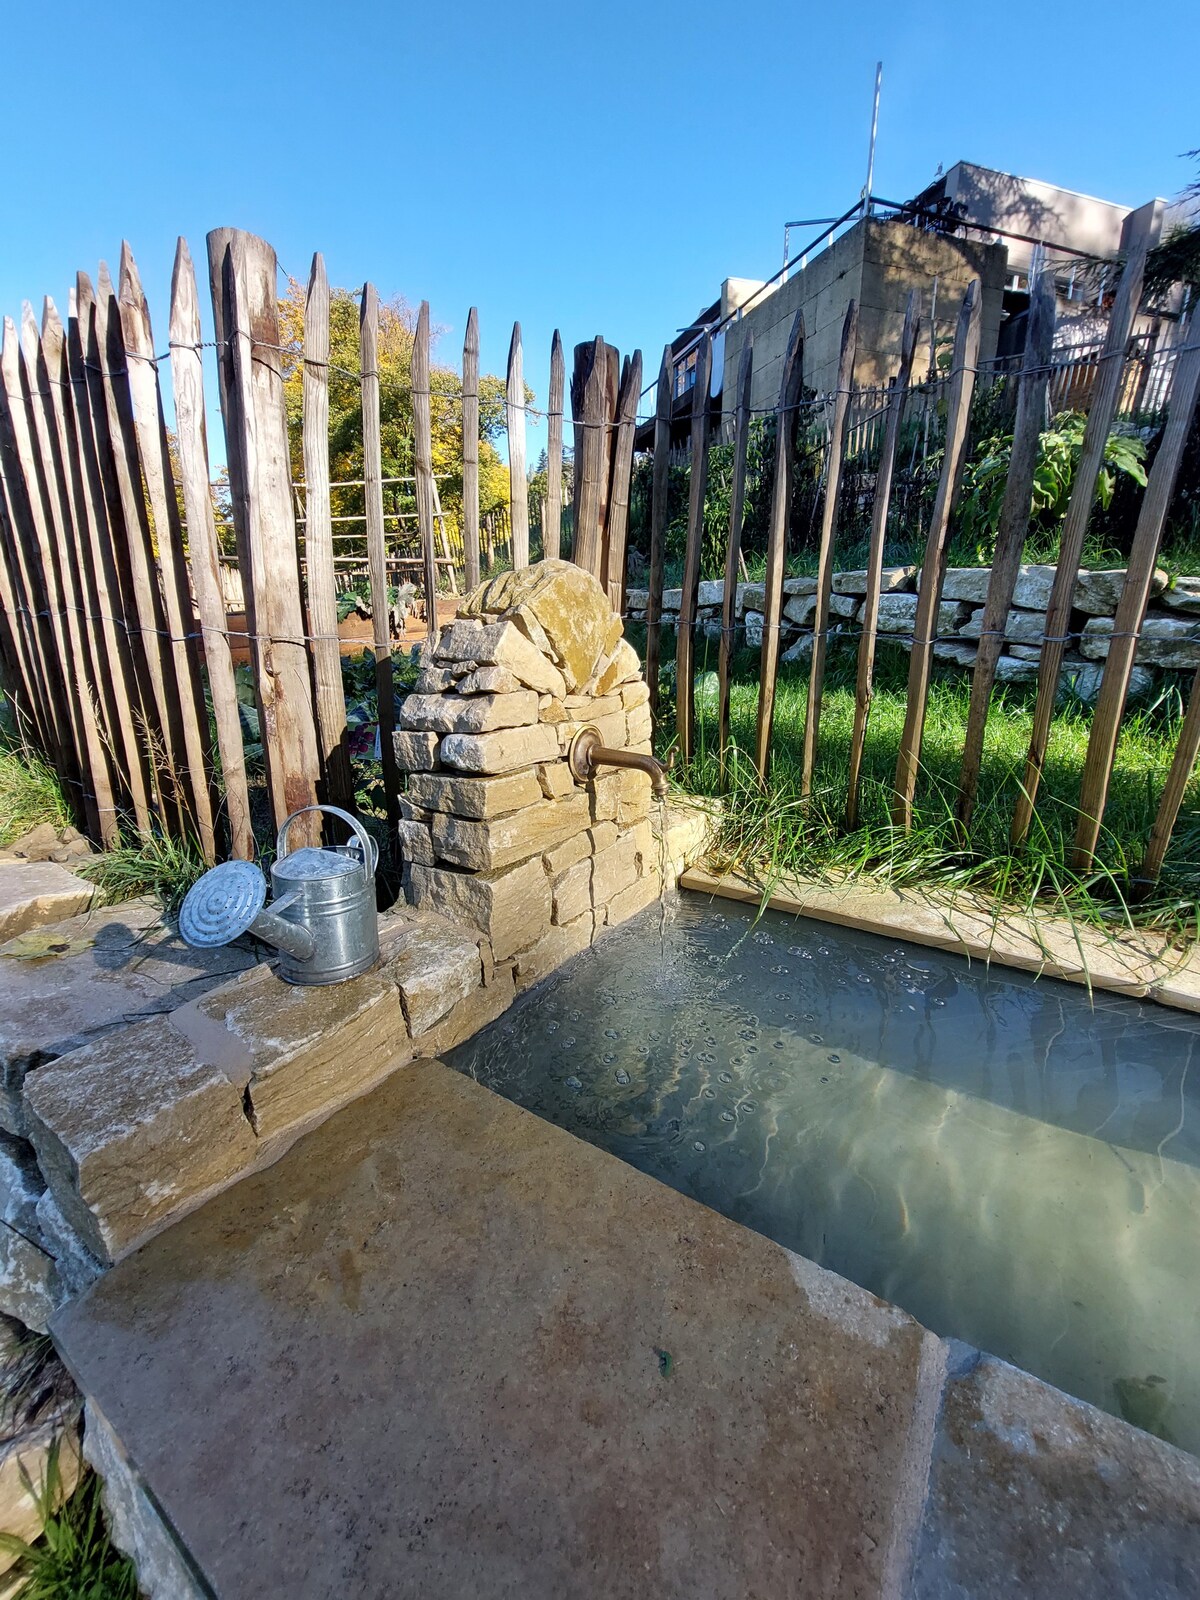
(1013,1162)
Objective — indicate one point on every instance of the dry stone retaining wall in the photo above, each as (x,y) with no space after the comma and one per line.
(1170,634)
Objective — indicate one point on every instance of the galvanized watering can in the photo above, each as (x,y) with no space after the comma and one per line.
(322,919)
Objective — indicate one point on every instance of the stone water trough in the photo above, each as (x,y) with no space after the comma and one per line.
(433,1346)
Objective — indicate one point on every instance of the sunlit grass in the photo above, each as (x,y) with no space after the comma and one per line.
(767,832)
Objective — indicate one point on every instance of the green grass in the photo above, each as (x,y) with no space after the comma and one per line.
(30,793)
(165,868)
(73,1559)
(765,831)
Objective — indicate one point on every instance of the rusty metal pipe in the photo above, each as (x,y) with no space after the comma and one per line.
(587,754)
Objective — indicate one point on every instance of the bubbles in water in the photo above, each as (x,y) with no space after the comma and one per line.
(552,1027)
(726,1077)
(709,1093)
(699,1145)
(778,970)
(728,1116)
(795,950)
(780,1044)
(706,1058)
(763,938)
(573,1083)
(816,1038)
(567,1044)
(835,1059)
(862,978)
(611,1033)
(608,1060)
(751,1049)
(622,1075)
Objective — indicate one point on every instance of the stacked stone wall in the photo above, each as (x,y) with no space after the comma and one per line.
(1170,633)
(495,830)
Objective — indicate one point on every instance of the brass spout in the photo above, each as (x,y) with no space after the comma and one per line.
(586,754)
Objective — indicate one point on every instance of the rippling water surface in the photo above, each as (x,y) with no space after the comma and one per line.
(1015,1165)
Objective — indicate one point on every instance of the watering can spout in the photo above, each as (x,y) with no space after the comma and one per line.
(290,937)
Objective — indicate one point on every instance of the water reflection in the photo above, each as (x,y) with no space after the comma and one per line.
(1017,1166)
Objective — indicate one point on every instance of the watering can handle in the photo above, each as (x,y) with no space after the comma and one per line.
(370,849)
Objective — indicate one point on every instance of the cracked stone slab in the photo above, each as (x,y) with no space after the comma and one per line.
(1033,1493)
(33,894)
(135,966)
(132,1129)
(446,1322)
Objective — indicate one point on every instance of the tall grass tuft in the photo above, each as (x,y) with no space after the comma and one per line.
(30,793)
(73,1559)
(766,831)
(155,865)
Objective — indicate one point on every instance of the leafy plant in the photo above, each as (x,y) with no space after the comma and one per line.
(1059,449)
(74,1558)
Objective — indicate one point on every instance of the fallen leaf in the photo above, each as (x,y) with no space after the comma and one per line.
(42,944)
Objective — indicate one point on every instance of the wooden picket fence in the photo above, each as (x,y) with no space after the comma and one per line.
(122,611)
(119,600)
(1116,379)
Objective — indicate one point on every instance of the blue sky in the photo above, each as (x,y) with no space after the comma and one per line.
(598,167)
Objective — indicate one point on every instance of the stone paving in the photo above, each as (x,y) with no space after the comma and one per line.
(443,1348)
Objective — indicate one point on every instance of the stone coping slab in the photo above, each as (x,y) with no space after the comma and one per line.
(131,965)
(443,1348)
(35,893)
(1127,961)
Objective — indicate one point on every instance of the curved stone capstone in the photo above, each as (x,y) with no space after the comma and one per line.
(561,608)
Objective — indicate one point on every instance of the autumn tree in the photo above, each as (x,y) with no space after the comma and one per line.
(397,324)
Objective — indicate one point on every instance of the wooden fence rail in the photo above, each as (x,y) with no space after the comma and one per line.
(121,605)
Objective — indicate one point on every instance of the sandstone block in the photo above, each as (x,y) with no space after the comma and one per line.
(634,695)
(434,680)
(1020,627)
(636,600)
(555,947)
(30,1287)
(588,707)
(487,846)
(551,709)
(603,836)
(1032,590)
(555,779)
(892,580)
(135,1128)
(434,965)
(35,893)
(962,655)
(614,869)
(77,1267)
(794,586)
(633,798)
(476,797)
(672,599)
(415,752)
(24,1464)
(639,725)
(1011,669)
(621,667)
(751,597)
(308,1050)
(1098,593)
(21,1186)
(408,811)
(469,1015)
(500,644)
(566,854)
(754,629)
(489,680)
(572,892)
(633,898)
(605,794)
(801,609)
(648,850)
(415,842)
(1183,595)
(564,604)
(505,750)
(1164,642)
(479,713)
(511,907)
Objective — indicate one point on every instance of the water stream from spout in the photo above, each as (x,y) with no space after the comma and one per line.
(668,891)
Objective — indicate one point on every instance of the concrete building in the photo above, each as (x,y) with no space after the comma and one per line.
(970,222)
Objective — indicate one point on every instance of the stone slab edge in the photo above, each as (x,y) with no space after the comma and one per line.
(1130,963)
